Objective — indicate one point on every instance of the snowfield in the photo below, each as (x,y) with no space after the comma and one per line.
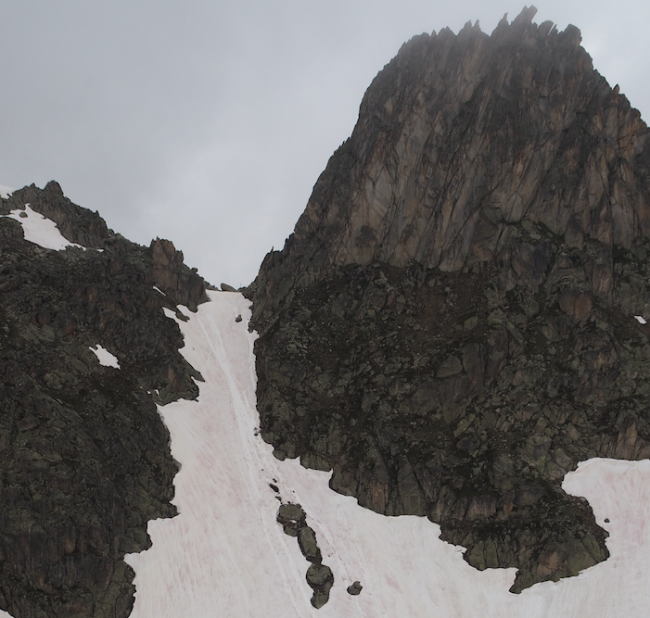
(39,230)
(225,555)
(105,357)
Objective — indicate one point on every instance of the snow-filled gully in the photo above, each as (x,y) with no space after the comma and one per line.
(225,555)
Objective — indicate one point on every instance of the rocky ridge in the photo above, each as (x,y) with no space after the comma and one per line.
(451,327)
(84,456)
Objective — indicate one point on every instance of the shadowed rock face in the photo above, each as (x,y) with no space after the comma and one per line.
(84,456)
(450,328)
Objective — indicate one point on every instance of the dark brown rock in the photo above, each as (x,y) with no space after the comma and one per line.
(292,517)
(76,224)
(450,328)
(452,109)
(308,544)
(321,580)
(355,588)
(182,284)
(84,454)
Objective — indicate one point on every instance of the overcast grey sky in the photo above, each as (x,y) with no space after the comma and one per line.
(208,122)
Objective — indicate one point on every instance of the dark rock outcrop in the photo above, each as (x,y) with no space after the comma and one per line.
(355,588)
(184,286)
(76,224)
(450,328)
(84,455)
(320,578)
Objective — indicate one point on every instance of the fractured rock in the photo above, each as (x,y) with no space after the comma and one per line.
(450,328)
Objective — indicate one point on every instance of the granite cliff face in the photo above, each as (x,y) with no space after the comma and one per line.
(451,327)
(84,456)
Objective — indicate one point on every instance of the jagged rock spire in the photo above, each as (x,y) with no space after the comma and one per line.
(451,327)
(461,136)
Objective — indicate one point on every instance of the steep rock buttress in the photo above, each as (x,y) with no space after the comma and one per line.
(451,326)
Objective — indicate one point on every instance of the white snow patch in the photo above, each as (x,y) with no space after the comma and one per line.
(41,231)
(172,314)
(640,319)
(225,555)
(105,357)
(155,287)
(5,192)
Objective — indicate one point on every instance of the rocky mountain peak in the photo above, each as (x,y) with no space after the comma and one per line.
(458,318)
(460,140)
(84,454)
(76,224)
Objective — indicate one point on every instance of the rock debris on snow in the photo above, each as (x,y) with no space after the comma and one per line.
(226,531)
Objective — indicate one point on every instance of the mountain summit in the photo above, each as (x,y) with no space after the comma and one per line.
(457,319)
(457,324)
(461,138)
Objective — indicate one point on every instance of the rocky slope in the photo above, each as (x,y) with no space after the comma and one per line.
(84,456)
(451,326)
